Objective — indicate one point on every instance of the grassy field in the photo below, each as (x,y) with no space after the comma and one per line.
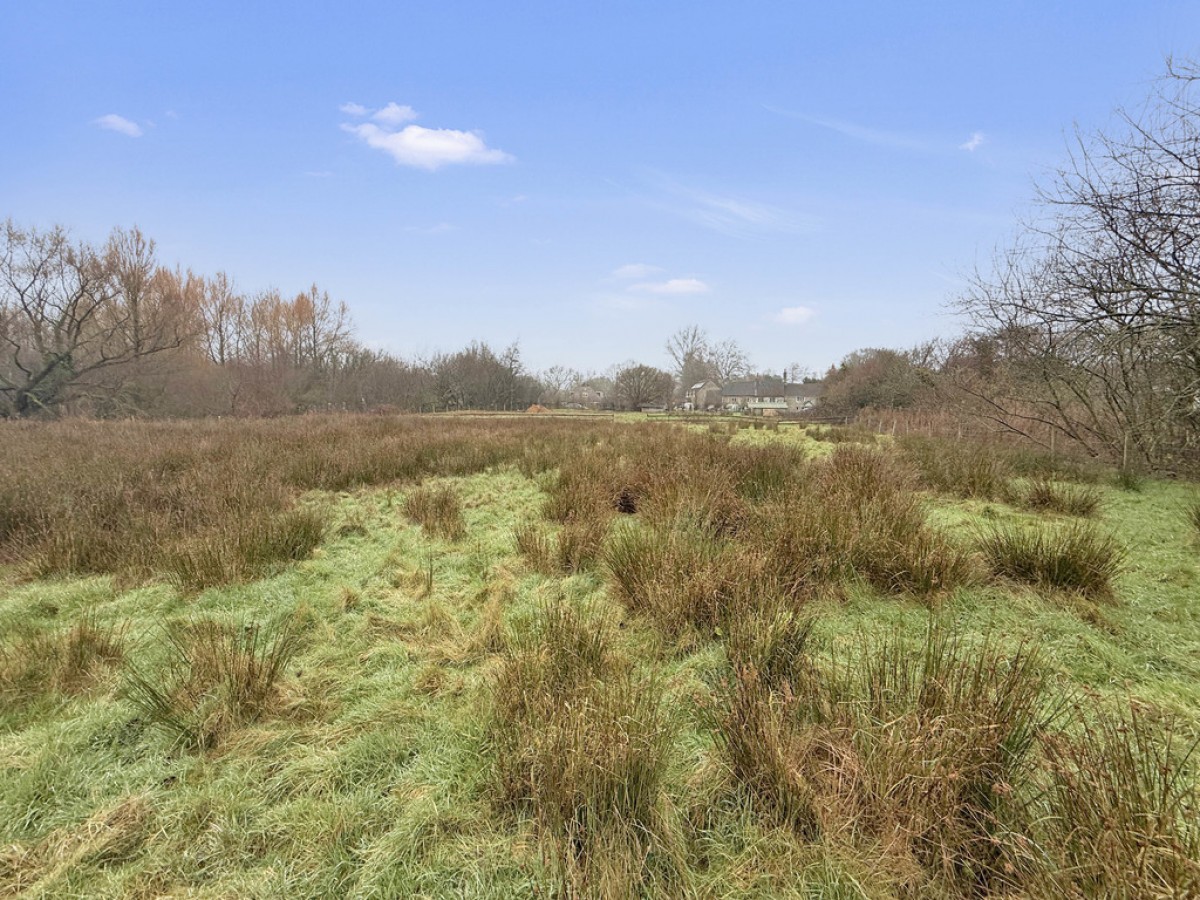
(440,657)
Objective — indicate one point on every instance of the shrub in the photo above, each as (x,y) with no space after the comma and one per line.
(438,510)
(217,677)
(1076,557)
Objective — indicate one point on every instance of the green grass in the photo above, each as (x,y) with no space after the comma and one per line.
(370,766)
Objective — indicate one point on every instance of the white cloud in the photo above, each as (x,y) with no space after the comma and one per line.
(794,315)
(975,142)
(394,115)
(635,270)
(354,109)
(672,286)
(424,148)
(119,124)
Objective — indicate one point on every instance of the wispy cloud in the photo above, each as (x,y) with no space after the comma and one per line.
(439,228)
(726,213)
(318,173)
(119,124)
(422,148)
(794,315)
(671,286)
(974,143)
(866,134)
(354,109)
(394,115)
(635,270)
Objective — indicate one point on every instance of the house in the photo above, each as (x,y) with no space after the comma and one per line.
(755,396)
(584,396)
(803,397)
(703,395)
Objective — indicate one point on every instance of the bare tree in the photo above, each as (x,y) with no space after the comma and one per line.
(639,385)
(223,312)
(68,313)
(557,382)
(728,361)
(1095,308)
(697,358)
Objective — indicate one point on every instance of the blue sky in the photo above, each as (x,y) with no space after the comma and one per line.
(585,178)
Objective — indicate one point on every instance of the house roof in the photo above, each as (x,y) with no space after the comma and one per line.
(740,389)
(758,388)
(813,389)
(700,385)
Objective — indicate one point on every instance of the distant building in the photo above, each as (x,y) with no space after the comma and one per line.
(803,397)
(584,397)
(755,396)
(704,395)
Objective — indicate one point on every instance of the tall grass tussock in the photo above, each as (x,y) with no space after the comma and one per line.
(33,663)
(916,752)
(217,676)
(1075,557)
(438,510)
(1067,499)
(581,745)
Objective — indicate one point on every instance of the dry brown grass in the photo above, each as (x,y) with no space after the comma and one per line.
(966,468)
(211,502)
(576,548)
(716,528)
(1044,495)
(111,837)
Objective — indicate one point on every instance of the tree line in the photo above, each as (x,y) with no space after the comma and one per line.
(108,330)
